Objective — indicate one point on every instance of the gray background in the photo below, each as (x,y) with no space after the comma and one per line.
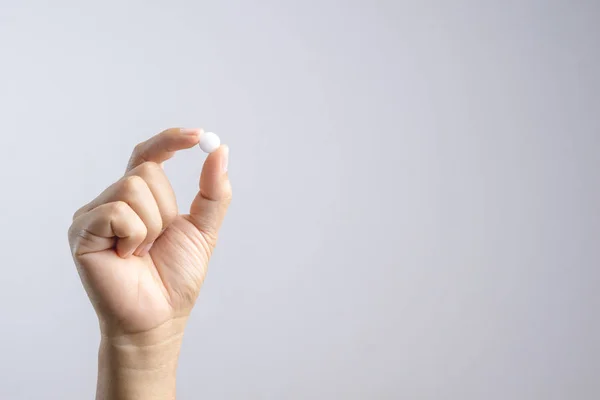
(416,186)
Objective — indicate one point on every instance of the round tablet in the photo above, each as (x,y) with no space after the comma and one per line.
(209,142)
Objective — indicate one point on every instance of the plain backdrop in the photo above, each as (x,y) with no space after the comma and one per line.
(416,191)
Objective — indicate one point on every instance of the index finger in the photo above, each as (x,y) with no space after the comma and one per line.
(163,146)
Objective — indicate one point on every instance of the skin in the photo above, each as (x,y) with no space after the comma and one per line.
(142,264)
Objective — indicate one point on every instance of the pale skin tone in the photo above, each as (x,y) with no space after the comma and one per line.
(142,264)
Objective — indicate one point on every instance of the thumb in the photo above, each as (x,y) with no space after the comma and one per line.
(210,205)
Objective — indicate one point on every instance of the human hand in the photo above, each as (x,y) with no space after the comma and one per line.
(141,262)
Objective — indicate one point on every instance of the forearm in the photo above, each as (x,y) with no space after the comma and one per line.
(142,366)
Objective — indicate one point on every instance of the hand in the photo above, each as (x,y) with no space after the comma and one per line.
(141,262)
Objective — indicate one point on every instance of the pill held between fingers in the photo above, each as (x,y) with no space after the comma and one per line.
(209,142)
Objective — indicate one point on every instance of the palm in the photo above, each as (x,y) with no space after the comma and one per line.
(144,292)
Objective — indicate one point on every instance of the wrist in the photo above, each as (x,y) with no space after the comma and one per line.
(162,335)
(139,365)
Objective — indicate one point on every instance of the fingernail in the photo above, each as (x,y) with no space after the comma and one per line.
(190,131)
(146,249)
(225,159)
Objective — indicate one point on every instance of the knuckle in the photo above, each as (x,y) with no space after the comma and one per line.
(226,199)
(169,132)
(140,232)
(77,213)
(227,193)
(137,154)
(154,228)
(117,209)
(150,168)
(168,218)
(72,233)
(139,148)
(81,210)
(132,183)
(171,215)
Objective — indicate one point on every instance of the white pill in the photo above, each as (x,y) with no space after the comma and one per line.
(209,142)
